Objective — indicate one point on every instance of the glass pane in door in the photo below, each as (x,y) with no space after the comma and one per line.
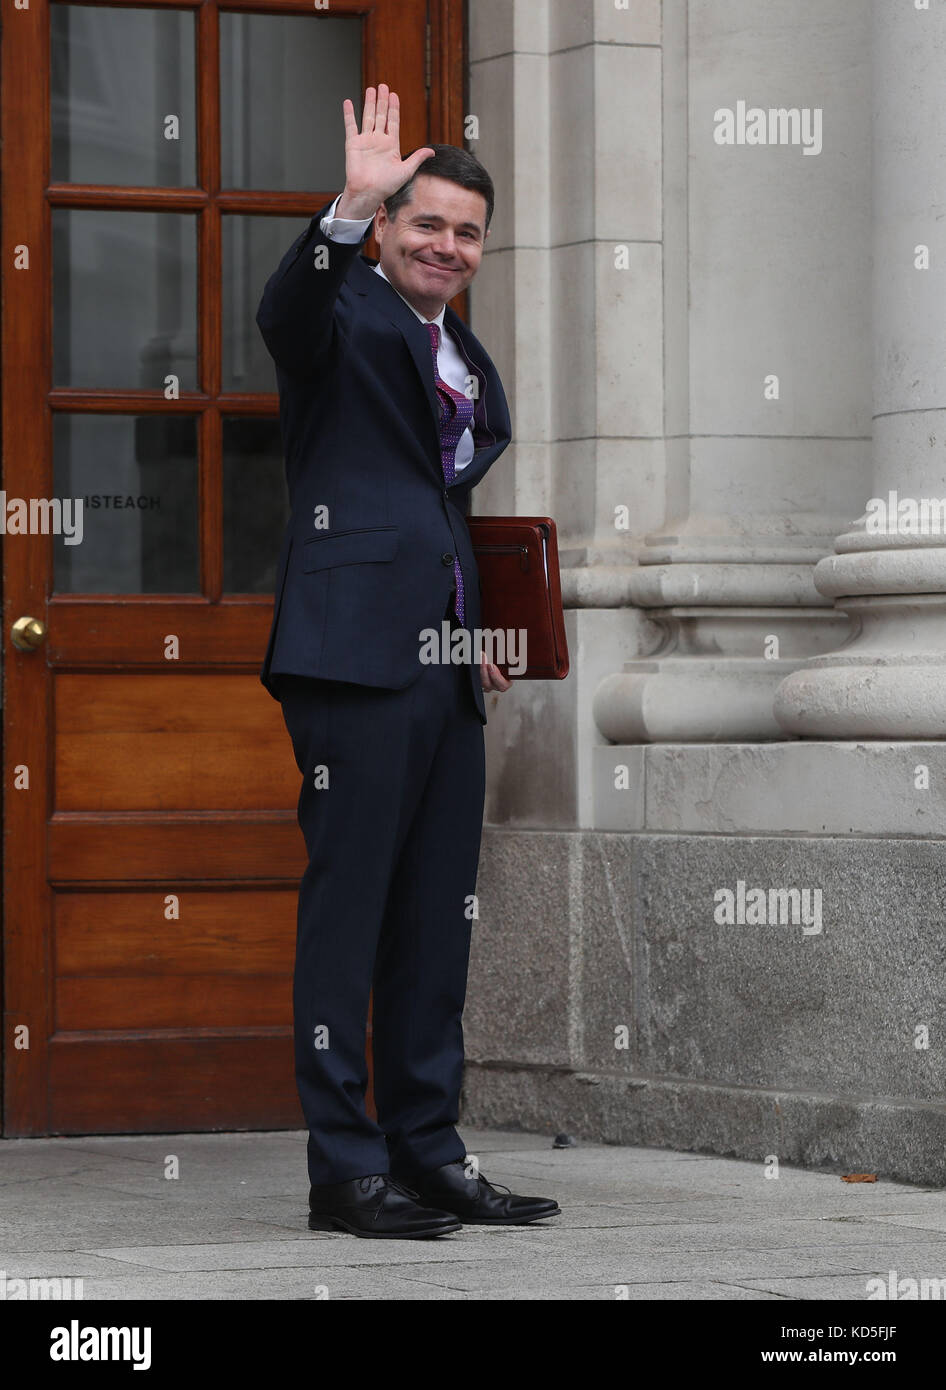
(255,503)
(137,478)
(124,298)
(252,249)
(122,90)
(282,82)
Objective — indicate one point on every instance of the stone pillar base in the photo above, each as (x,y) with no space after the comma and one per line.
(792,788)
(810,1031)
(716,684)
(889,683)
(898,1141)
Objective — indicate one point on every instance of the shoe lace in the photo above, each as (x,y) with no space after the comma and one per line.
(415,1196)
(496,1186)
(479,1177)
(493,1186)
(402,1187)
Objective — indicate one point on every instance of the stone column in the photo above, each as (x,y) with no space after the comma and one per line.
(890,682)
(766,362)
(569,303)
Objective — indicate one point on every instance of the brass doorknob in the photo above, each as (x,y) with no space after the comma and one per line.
(28,634)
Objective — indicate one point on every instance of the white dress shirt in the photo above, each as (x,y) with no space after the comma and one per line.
(450,364)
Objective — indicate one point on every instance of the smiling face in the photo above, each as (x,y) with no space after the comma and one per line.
(433,247)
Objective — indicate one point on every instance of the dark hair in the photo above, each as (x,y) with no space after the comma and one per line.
(449,162)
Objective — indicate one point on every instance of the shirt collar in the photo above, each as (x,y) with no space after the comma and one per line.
(438,320)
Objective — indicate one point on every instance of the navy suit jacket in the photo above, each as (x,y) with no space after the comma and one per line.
(360,426)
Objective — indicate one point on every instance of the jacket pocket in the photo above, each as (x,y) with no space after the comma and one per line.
(362,547)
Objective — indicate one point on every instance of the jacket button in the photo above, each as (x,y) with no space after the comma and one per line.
(446,558)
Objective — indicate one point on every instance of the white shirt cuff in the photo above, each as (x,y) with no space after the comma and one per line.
(344,229)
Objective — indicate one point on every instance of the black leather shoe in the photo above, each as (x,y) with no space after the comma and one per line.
(376,1206)
(477,1202)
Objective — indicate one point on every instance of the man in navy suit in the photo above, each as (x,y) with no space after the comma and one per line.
(391,411)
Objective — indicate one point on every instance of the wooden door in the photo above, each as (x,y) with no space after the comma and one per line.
(156,163)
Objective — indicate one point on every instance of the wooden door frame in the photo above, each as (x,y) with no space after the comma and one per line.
(25,362)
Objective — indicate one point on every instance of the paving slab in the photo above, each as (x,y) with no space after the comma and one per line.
(647,1224)
(319,1251)
(265,1284)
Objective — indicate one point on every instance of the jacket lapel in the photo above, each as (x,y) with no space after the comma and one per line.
(491,426)
(388,302)
(485,432)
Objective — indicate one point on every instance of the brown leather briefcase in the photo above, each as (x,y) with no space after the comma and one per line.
(517,558)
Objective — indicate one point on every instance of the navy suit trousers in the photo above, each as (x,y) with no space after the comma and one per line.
(391,808)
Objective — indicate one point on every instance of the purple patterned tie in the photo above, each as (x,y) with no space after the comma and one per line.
(456,414)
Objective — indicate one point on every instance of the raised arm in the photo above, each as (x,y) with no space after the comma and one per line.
(296,312)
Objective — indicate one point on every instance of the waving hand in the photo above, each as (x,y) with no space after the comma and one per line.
(374,168)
